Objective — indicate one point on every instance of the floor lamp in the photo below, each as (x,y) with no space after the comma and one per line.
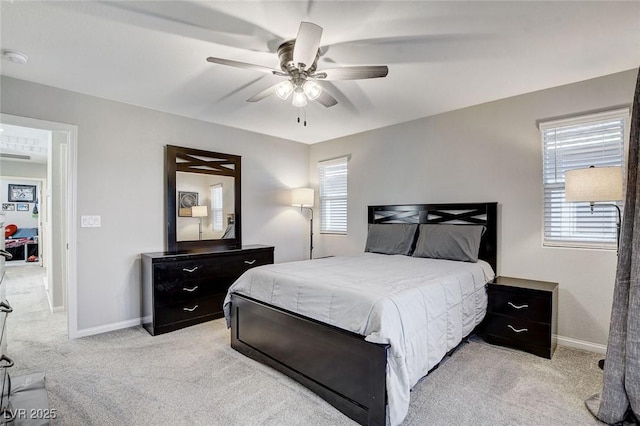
(303,198)
(596,184)
(199,212)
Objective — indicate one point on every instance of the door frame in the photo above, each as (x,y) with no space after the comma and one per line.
(71,131)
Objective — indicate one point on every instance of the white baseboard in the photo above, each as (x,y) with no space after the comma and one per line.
(49,301)
(582,344)
(85,332)
(53,309)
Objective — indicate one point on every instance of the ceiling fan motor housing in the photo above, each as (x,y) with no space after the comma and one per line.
(285,55)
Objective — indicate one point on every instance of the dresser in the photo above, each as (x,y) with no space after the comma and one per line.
(180,290)
(522,314)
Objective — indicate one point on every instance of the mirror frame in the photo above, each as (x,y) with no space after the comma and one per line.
(192,164)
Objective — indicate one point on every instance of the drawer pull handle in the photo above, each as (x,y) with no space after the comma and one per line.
(521,330)
(190,309)
(516,306)
(5,307)
(190,289)
(5,361)
(250,262)
(190,270)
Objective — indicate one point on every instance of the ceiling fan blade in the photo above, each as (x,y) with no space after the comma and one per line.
(326,99)
(307,43)
(238,64)
(352,73)
(194,19)
(413,49)
(264,94)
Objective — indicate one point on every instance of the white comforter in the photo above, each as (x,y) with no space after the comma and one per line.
(421,307)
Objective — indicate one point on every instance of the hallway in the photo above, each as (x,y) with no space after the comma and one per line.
(31,319)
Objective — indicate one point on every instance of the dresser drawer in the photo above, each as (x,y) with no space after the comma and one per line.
(190,270)
(170,292)
(523,305)
(235,265)
(189,310)
(517,330)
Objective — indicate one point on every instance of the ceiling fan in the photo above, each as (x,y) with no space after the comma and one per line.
(298,62)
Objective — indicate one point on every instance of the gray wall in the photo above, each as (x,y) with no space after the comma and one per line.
(22,219)
(490,152)
(23,169)
(120,176)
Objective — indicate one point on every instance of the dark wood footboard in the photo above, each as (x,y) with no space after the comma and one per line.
(339,366)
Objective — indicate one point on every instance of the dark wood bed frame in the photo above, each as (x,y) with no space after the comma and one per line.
(340,366)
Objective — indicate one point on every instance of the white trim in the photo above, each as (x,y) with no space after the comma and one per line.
(86,332)
(580,119)
(335,160)
(49,298)
(71,295)
(582,344)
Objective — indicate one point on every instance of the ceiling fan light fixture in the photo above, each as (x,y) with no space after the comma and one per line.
(311,89)
(299,98)
(284,89)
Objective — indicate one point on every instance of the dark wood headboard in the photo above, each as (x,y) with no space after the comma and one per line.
(453,214)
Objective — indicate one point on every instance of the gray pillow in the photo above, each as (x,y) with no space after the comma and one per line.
(392,238)
(453,242)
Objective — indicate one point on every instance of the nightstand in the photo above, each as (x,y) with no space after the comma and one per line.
(522,314)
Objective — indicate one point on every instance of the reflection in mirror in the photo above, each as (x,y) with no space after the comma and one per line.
(205,206)
(203,200)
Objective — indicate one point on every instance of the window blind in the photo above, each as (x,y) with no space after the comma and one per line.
(333,196)
(216,206)
(593,140)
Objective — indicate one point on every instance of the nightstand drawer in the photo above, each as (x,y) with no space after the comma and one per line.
(517,330)
(520,305)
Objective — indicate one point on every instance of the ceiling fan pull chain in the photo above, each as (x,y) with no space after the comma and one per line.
(305,117)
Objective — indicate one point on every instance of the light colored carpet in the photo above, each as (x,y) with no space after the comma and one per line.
(193,377)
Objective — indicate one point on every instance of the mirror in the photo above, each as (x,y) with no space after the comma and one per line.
(203,200)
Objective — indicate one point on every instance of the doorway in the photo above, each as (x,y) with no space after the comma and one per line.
(58,208)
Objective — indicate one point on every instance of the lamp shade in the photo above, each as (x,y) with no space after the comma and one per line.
(302,197)
(299,99)
(284,89)
(199,211)
(593,184)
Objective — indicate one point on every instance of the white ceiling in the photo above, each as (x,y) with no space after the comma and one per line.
(24,144)
(441,55)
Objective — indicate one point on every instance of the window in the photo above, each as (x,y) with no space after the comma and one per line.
(333,196)
(577,143)
(216,206)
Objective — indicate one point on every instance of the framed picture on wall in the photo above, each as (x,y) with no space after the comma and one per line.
(22,193)
(186,200)
(8,207)
(22,207)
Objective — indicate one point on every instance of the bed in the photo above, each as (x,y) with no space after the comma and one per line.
(360,331)
(21,243)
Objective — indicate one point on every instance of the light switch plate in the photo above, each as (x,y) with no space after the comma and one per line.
(90,221)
